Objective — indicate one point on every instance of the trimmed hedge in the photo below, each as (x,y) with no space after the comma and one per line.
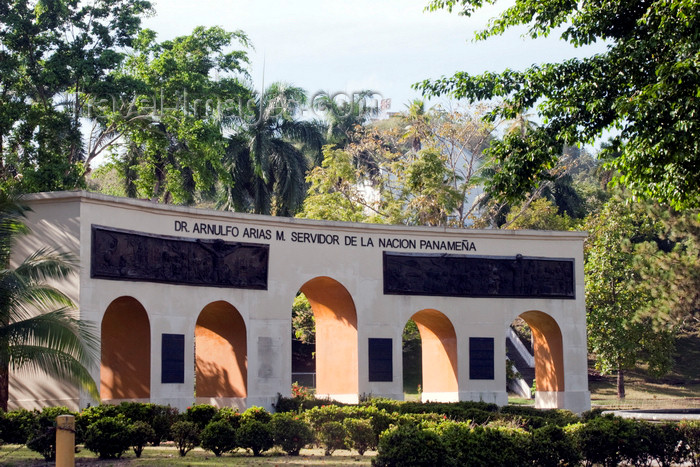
(291,432)
(219,436)
(42,438)
(255,435)
(108,437)
(408,445)
(465,433)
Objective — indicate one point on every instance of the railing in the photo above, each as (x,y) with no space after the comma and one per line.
(519,387)
(520,347)
(306,379)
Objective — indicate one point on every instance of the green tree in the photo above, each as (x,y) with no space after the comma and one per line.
(619,334)
(670,264)
(34,334)
(303,320)
(380,177)
(417,121)
(171,145)
(644,88)
(269,153)
(334,193)
(542,214)
(53,56)
(343,116)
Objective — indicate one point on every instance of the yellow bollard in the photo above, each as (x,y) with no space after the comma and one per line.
(65,441)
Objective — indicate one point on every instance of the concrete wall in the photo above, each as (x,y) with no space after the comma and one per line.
(354,263)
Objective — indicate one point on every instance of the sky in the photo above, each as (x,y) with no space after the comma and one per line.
(350,46)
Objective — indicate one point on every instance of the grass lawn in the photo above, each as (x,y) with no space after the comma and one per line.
(678,389)
(13,455)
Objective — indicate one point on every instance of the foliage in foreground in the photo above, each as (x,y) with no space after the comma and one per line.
(643,88)
(404,433)
(38,329)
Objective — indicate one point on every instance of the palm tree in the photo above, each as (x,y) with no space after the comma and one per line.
(268,158)
(417,120)
(344,117)
(38,331)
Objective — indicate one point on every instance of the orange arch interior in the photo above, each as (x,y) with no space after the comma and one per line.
(549,351)
(336,336)
(221,364)
(439,348)
(125,368)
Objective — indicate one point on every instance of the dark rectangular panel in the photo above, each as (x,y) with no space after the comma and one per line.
(481,359)
(380,360)
(478,276)
(133,256)
(173,358)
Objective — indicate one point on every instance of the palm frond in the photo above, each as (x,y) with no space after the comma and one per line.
(47,263)
(58,330)
(39,360)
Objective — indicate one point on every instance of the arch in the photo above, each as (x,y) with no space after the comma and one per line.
(221,360)
(125,354)
(336,337)
(548,349)
(439,352)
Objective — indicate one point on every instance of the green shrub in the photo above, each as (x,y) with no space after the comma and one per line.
(108,437)
(230,414)
(164,417)
(536,418)
(186,436)
(43,438)
(140,434)
(255,435)
(591,414)
(552,446)
(603,440)
(332,436)
(90,415)
(200,415)
(290,432)
(458,442)
(502,445)
(381,420)
(19,425)
(360,435)
(219,437)
(256,413)
(319,416)
(408,445)
(137,411)
(479,412)
(690,431)
(498,444)
(667,448)
(638,447)
(287,404)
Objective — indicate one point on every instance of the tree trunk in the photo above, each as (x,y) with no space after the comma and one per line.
(620,383)
(4,387)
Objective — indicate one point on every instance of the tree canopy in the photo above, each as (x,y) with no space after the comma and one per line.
(620,333)
(644,89)
(53,56)
(170,145)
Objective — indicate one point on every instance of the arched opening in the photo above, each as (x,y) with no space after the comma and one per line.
(125,368)
(221,365)
(520,360)
(336,338)
(303,344)
(549,357)
(439,356)
(411,356)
